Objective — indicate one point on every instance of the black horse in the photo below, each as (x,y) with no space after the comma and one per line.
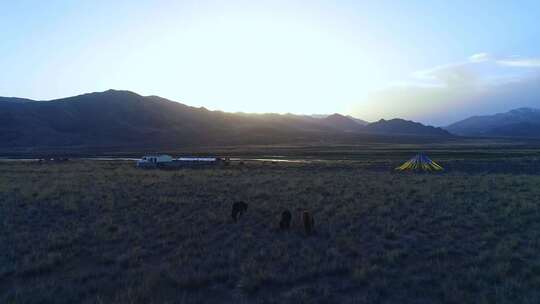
(238,208)
(285,222)
(307,220)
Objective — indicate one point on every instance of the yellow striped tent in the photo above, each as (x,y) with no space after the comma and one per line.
(420,163)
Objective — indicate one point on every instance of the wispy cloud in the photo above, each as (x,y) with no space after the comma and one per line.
(480,84)
(521,63)
(480,57)
(454,74)
(478,70)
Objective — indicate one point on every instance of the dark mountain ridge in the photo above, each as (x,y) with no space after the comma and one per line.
(343,123)
(521,122)
(124,118)
(399,126)
(357,120)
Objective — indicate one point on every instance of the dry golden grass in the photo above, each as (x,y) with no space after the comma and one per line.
(106,232)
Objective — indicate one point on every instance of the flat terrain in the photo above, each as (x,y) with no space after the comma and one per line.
(106,232)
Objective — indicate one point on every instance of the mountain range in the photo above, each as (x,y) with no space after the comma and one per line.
(125,119)
(522,122)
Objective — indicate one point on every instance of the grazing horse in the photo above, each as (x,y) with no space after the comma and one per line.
(285,222)
(307,220)
(238,208)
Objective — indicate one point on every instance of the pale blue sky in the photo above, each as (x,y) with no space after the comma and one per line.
(432,61)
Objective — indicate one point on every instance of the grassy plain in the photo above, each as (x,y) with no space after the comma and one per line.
(106,232)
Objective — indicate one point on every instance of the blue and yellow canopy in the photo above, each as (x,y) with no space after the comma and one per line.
(420,163)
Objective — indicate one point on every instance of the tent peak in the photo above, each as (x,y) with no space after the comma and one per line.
(420,162)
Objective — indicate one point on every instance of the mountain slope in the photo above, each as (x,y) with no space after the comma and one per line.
(357,120)
(122,117)
(522,122)
(340,122)
(404,127)
(126,119)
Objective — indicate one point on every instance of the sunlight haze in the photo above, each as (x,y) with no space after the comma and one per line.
(430,61)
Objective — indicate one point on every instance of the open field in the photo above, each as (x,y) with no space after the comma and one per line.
(386,148)
(106,232)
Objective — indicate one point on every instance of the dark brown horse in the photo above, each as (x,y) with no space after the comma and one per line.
(238,208)
(285,222)
(307,220)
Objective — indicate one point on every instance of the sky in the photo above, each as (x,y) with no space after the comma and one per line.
(426,60)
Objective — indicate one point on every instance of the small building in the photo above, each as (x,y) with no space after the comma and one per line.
(197,159)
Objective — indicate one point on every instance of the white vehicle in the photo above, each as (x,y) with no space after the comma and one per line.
(167,162)
(154,160)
